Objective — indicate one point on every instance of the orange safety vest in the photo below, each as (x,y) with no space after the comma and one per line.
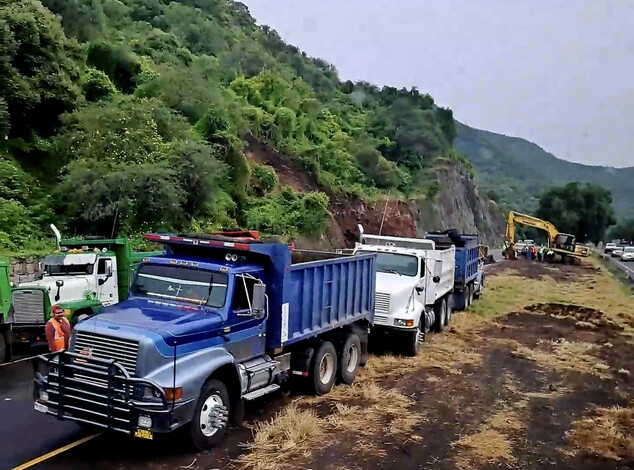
(59,342)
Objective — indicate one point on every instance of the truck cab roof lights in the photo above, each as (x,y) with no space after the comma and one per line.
(194,241)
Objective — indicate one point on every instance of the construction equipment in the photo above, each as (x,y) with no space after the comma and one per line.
(562,244)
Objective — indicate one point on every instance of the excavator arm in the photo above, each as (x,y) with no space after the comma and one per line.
(529,221)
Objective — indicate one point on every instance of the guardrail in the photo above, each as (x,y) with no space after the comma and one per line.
(619,265)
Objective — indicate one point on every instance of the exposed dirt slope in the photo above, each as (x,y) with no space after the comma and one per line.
(342,230)
(457,205)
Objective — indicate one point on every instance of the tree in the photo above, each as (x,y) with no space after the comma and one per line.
(582,210)
(39,69)
(623,231)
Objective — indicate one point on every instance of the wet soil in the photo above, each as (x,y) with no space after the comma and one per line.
(548,400)
(535,270)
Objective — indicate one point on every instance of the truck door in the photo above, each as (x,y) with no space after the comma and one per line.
(246,330)
(107,286)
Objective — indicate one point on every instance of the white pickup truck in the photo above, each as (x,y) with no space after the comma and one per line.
(414,285)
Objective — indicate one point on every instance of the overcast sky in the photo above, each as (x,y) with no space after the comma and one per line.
(557,72)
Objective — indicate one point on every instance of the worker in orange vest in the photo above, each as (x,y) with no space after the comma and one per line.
(58,330)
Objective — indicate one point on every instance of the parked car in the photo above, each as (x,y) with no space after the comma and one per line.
(609,247)
(628,254)
(617,252)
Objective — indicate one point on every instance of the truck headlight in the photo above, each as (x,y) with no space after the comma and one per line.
(403,322)
(145,422)
(44,396)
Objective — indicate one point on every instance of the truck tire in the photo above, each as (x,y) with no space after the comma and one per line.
(213,406)
(349,359)
(478,295)
(414,339)
(440,311)
(323,370)
(469,294)
(448,309)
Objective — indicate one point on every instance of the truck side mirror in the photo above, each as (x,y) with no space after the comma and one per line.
(59,282)
(436,279)
(258,307)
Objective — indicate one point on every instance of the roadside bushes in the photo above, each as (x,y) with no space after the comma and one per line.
(288,213)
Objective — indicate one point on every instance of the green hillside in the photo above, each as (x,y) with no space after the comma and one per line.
(130,115)
(516,171)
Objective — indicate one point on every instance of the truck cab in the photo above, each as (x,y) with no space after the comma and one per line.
(413,285)
(78,282)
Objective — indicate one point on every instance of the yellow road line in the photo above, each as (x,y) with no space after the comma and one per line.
(44,457)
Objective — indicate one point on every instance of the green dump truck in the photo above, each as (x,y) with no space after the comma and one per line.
(5,303)
(82,276)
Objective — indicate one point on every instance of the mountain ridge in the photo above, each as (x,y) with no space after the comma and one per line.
(514,170)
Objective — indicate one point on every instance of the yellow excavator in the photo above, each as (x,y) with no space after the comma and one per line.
(562,244)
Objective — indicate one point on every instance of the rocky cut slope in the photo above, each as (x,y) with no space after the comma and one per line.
(457,204)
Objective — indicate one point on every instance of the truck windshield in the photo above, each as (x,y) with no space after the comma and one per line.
(66,266)
(181,283)
(405,265)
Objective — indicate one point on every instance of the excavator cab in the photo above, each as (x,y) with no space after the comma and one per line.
(565,241)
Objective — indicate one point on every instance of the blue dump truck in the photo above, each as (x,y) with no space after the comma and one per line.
(212,323)
(469,272)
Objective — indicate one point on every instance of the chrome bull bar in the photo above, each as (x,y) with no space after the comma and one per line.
(98,392)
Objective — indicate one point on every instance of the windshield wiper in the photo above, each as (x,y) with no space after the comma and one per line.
(391,271)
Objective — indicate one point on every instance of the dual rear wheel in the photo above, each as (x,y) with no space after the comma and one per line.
(329,365)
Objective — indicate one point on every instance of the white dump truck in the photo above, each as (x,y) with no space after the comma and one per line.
(414,286)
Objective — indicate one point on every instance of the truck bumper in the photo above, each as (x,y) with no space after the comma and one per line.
(102,394)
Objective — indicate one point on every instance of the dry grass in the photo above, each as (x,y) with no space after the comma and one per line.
(291,432)
(608,432)
(369,411)
(363,411)
(487,446)
(566,356)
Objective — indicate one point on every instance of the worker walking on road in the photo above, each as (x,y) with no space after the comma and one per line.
(58,330)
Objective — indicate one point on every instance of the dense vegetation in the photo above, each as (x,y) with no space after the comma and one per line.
(514,172)
(622,231)
(126,116)
(582,210)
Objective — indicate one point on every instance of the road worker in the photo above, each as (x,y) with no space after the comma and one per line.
(58,330)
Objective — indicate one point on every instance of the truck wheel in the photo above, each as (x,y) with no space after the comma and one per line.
(469,295)
(440,311)
(211,415)
(448,309)
(414,340)
(349,359)
(323,372)
(478,294)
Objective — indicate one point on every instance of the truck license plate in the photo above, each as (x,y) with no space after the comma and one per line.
(144,434)
(39,407)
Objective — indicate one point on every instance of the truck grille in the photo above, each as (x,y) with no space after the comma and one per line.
(382,303)
(28,306)
(123,351)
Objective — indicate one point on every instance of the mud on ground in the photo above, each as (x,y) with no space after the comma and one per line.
(540,373)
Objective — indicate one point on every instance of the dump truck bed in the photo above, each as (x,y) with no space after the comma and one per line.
(467,255)
(322,295)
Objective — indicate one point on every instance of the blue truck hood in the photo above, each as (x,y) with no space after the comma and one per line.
(170,321)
